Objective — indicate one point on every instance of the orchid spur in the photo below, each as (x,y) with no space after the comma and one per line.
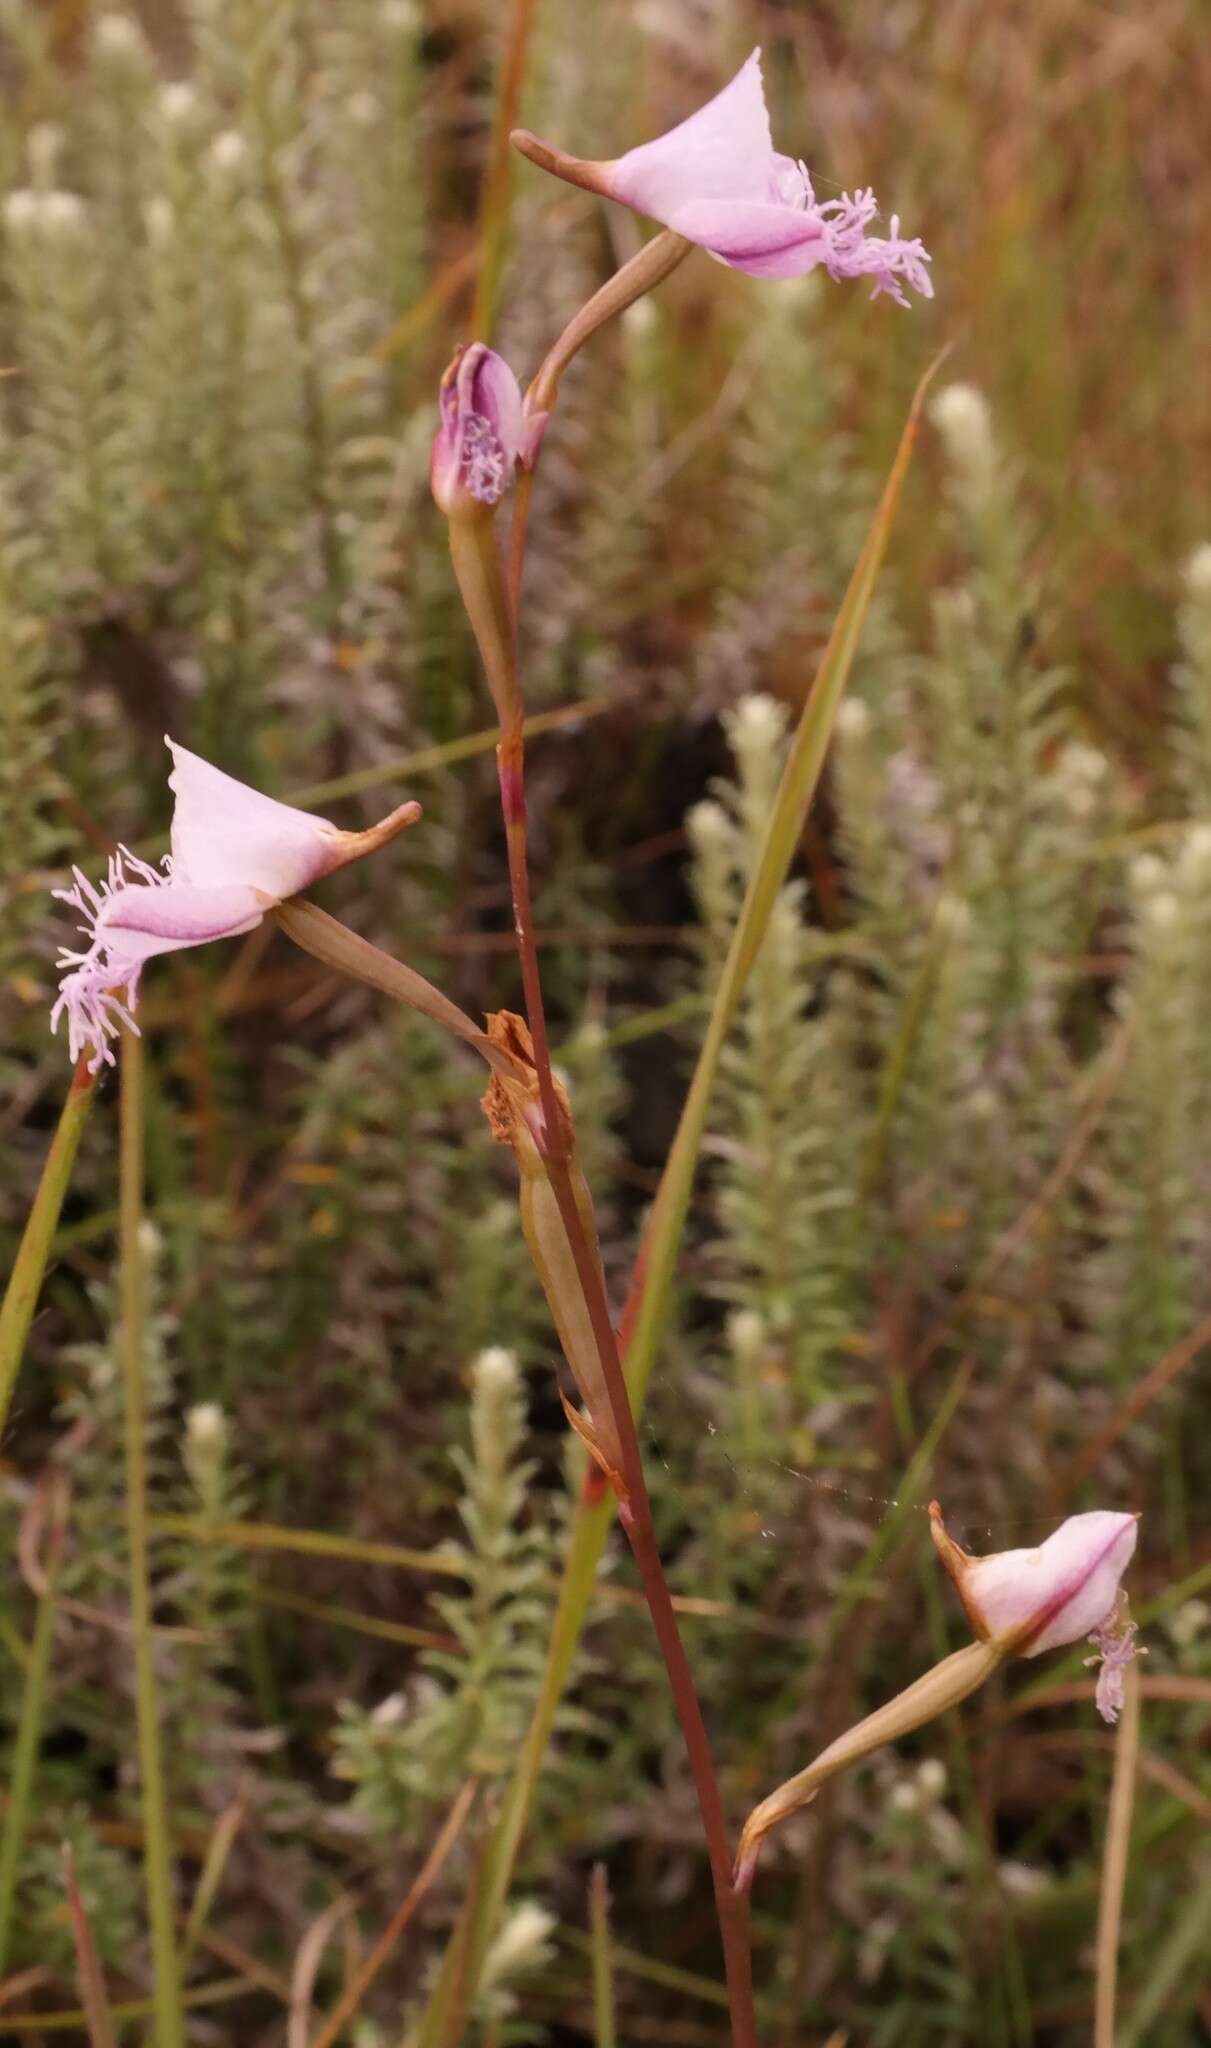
(718,180)
(235,854)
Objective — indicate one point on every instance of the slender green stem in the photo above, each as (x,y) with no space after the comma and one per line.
(477,565)
(157,1851)
(30,2024)
(25,1283)
(655,261)
(1114,1860)
(29,1729)
(88,1965)
(603,1968)
(635,1512)
(1189,1934)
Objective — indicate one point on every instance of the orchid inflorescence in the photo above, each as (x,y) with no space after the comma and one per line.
(716,182)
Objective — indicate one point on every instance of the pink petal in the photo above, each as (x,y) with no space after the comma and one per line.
(137,922)
(724,151)
(1065,1588)
(758,237)
(225,833)
(496,394)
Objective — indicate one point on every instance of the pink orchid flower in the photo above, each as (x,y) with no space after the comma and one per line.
(1036,1600)
(483,432)
(235,854)
(718,180)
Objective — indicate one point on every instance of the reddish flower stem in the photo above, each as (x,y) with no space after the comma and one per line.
(634,1508)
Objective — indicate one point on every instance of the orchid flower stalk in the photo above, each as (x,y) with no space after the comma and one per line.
(556,1207)
(1019,1603)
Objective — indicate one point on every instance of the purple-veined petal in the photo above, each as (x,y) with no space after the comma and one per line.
(1046,1597)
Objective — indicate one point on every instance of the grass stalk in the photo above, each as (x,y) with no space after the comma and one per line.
(384,1947)
(498,181)
(29,1268)
(1187,1944)
(1114,1860)
(603,1967)
(169,2029)
(92,1983)
(29,1728)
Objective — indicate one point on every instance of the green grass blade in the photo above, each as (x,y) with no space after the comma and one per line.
(1186,1946)
(603,1965)
(29,1267)
(795,792)
(29,1726)
(157,1850)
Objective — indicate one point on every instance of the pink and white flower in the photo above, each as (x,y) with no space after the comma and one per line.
(718,180)
(1035,1600)
(235,854)
(483,433)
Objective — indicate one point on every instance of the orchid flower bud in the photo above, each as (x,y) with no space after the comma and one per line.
(514,1112)
(1019,1603)
(235,855)
(1036,1600)
(718,180)
(483,433)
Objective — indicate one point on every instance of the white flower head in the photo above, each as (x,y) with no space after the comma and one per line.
(756,725)
(206,1426)
(228,153)
(178,103)
(1162,911)
(1197,572)
(118,39)
(931,1778)
(746,1336)
(1194,860)
(21,209)
(521,1945)
(709,827)
(400,17)
(159,219)
(496,1370)
(962,416)
(1147,873)
(64,212)
(853,720)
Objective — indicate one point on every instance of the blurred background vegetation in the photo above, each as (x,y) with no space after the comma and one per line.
(953,1229)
